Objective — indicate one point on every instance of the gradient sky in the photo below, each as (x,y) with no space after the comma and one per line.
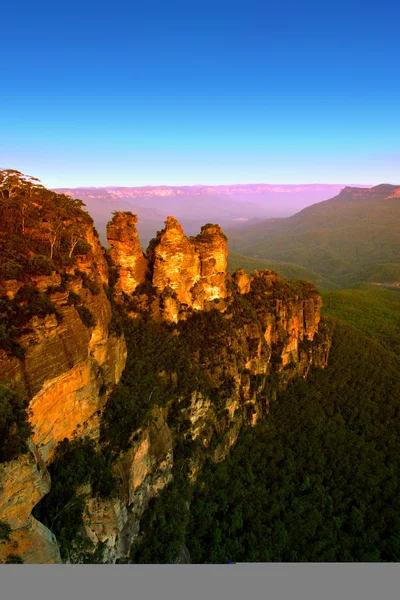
(137,93)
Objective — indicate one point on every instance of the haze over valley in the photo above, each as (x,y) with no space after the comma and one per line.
(228,205)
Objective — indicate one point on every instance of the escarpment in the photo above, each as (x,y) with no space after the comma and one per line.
(136,367)
(58,347)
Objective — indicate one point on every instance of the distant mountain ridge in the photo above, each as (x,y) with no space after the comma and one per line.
(230,190)
(193,205)
(336,238)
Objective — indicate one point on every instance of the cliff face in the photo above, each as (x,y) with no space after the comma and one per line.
(68,369)
(243,331)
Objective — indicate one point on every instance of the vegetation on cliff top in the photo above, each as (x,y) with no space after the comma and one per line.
(39,229)
(161,367)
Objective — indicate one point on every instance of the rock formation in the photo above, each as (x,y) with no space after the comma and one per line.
(126,252)
(188,273)
(70,368)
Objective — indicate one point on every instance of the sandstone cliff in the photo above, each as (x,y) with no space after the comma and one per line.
(67,366)
(238,339)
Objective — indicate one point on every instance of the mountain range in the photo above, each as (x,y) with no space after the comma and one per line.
(228,205)
(346,239)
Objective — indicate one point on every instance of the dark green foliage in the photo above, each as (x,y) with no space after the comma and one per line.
(65,278)
(15,315)
(5,531)
(14,559)
(14,426)
(10,269)
(75,463)
(87,283)
(34,303)
(320,480)
(82,248)
(243,310)
(149,345)
(146,288)
(373,309)
(113,274)
(73,298)
(41,265)
(163,526)
(85,316)
(172,349)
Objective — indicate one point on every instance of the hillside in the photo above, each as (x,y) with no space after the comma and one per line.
(372,309)
(285,270)
(337,238)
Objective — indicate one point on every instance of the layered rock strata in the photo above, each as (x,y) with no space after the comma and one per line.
(68,371)
(271,328)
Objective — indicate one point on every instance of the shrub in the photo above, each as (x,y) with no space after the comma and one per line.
(87,283)
(73,298)
(11,270)
(37,303)
(86,316)
(75,463)
(5,531)
(41,265)
(14,559)
(14,426)
(82,248)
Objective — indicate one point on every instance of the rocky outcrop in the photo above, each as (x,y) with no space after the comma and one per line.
(187,273)
(33,544)
(126,252)
(175,262)
(24,481)
(267,327)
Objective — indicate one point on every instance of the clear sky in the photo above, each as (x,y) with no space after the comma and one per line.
(201,91)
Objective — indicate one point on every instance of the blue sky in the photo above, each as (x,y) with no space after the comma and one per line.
(137,93)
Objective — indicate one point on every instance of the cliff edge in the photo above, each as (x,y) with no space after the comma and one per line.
(118,367)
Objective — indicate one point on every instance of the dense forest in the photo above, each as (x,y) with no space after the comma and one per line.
(373,309)
(319,481)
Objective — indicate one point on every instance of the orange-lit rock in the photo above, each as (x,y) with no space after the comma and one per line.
(24,481)
(126,252)
(193,268)
(34,544)
(70,368)
(175,262)
(153,448)
(242,280)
